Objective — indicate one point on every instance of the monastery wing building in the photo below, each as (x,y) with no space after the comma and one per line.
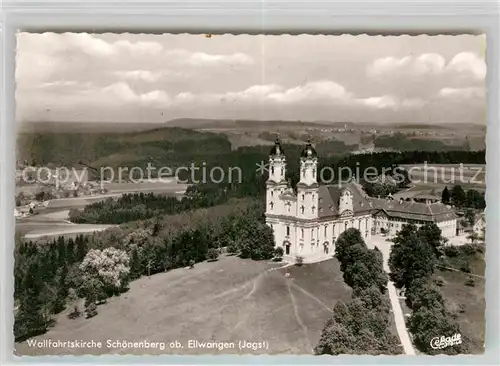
(307,221)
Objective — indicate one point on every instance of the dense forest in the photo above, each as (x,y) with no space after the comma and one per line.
(401,142)
(142,206)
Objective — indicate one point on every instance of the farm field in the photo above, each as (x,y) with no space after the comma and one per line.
(230,300)
(451,174)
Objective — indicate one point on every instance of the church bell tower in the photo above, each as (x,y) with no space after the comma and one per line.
(276,183)
(307,188)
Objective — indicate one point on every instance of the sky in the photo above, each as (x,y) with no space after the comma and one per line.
(81,77)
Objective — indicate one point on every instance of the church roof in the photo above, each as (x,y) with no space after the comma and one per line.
(329,197)
(409,210)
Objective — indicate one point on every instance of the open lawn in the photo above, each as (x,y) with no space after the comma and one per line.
(456,293)
(230,300)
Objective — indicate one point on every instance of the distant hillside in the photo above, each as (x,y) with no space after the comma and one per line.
(86,127)
(118,148)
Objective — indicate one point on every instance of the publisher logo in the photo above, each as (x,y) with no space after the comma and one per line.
(444,342)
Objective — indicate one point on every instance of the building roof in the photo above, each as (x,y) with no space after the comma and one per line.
(409,210)
(415,195)
(425,196)
(329,197)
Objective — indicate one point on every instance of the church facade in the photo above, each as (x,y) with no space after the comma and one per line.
(307,221)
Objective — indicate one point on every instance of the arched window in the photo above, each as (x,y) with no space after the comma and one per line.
(302,233)
(271,205)
(301,209)
(312,233)
(272,170)
(303,197)
(326,229)
(272,193)
(288,230)
(345,226)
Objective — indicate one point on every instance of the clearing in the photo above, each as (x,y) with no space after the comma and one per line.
(229,300)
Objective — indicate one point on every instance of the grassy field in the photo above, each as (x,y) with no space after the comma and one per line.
(229,300)
(472,320)
(469,175)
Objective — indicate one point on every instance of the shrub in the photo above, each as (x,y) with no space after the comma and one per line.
(232,248)
(279,252)
(212,254)
(471,249)
(470,282)
(191,263)
(451,251)
(465,267)
(439,281)
(299,260)
(91,310)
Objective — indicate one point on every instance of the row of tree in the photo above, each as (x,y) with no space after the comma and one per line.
(458,197)
(361,326)
(412,261)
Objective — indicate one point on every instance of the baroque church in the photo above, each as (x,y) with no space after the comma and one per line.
(307,221)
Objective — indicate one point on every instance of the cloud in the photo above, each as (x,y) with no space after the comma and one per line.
(142,75)
(428,64)
(199,59)
(470,63)
(472,92)
(46,57)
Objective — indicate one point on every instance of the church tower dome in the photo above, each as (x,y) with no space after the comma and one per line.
(277,150)
(277,163)
(309,152)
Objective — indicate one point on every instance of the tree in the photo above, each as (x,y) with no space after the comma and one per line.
(445,196)
(411,258)
(109,266)
(427,323)
(475,199)
(279,252)
(470,216)
(73,303)
(93,290)
(457,196)
(256,241)
(30,319)
(213,254)
(431,234)
(473,236)
(345,241)
(90,310)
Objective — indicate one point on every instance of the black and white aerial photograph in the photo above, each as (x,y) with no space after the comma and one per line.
(211,194)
